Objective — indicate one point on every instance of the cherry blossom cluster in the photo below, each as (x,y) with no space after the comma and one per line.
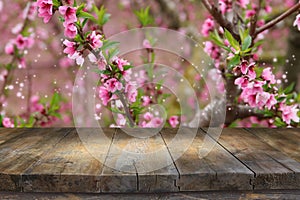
(17,46)
(116,87)
(258,85)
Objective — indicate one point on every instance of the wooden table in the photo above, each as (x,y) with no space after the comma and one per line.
(55,160)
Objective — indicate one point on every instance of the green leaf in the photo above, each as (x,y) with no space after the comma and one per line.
(144,17)
(80,8)
(115,110)
(56,3)
(75,3)
(289,89)
(103,17)
(108,45)
(234,61)
(126,67)
(278,122)
(280,99)
(112,53)
(86,15)
(243,34)
(235,44)
(54,104)
(247,42)
(218,41)
(84,23)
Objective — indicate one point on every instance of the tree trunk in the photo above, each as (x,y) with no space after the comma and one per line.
(293,56)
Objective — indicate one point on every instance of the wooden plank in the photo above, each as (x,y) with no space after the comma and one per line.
(228,195)
(19,153)
(271,167)
(284,140)
(129,172)
(69,167)
(218,170)
(8,133)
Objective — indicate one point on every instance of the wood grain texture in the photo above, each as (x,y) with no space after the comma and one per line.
(20,152)
(213,195)
(272,168)
(131,161)
(284,140)
(69,167)
(8,133)
(218,170)
(82,160)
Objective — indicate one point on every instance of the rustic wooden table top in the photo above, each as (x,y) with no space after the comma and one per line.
(59,160)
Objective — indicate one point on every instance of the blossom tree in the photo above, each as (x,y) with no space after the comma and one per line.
(234,29)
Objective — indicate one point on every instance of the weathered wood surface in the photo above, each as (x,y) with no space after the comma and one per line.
(128,169)
(273,169)
(284,140)
(60,160)
(218,170)
(66,168)
(213,195)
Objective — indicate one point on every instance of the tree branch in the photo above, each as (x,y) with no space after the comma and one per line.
(278,19)
(254,19)
(169,8)
(120,95)
(221,20)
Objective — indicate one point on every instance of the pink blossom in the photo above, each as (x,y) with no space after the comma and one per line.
(249,93)
(146,100)
(127,74)
(297,22)
(153,123)
(242,82)
(101,62)
(243,3)
(95,40)
(121,120)
(207,27)
(173,121)
(146,44)
(17,29)
(69,14)
(262,98)
(35,105)
(113,85)
(271,101)
(23,42)
(70,47)
(104,95)
(6,122)
(268,75)
(78,57)
(156,122)
(45,9)
(131,92)
(9,48)
(148,116)
(222,6)
(256,87)
(248,69)
(121,63)
(31,12)
(66,62)
(1,5)
(22,63)
(268,9)
(212,50)
(70,30)
(3,75)
(289,113)
(250,13)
